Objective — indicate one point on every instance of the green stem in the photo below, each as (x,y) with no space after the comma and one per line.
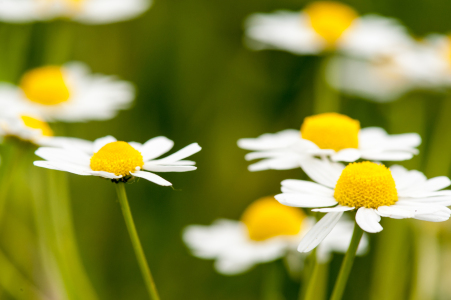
(139,252)
(317,284)
(272,282)
(346,266)
(439,155)
(59,44)
(326,98)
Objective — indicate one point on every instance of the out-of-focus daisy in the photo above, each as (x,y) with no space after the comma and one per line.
(120,161)
(325,26)
(267,231)
(425,65)
(370,188)
(67,93)
(328,135)
(26,128)
(83,11)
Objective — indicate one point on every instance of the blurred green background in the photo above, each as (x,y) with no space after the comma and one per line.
(197,82)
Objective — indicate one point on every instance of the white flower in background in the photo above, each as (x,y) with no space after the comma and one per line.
(106,157)
(83,11)
(68,93)
(267,231)
(26,128)
(370,188)
(328,135)
(325,26)
(425,65)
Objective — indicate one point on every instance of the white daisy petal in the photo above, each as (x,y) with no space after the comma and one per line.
(306,187)
(323,172)
(319,232)
(63,155)
(305,200)
(332,209)
(348,155)
(61,166)
(181,154)
(106,174)
(395,212)
(152,177)
(156,168)
(368,220)
(99,143)
(271,141)
(156,147)
(280,163)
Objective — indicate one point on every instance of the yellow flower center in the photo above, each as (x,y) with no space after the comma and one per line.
(34,123)
(266,218)
(366,184)
(330,19)
(331,131)
(117,157)
(45,86)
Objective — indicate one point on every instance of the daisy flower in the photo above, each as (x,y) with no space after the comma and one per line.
(328,135)
(371,189)
(116,160)
(27,128)
(83,11)
(67,93)
(383,79)
(325,26)
(267,231)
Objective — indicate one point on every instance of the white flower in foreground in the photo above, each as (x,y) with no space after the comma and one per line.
(370,188)
(267,231)
(384,79)
(83,11)
(328,135)
(68,93)
(26,128)
(325,26)
(106,157)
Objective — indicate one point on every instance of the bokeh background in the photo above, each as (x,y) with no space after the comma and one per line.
(197,82)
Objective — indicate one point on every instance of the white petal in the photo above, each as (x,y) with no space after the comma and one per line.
(60,166)
(63,155)
(305,200)
(322,171)
(395,212)
(181,154)
(307,187)
(280,163)
(331,209)
(368,220)
(319,232)
(155,147)
(271,141)
(387,156)
(152,177)
(99,143)
(348,155)
(157,168)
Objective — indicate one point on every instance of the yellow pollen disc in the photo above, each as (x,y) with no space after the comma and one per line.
(34,123)
(330,19)
(117,157)
(331,131)
(267,218)
(366,184)
(45,86)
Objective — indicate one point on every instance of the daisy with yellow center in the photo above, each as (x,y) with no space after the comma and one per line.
(83,11)
(116,160)
(67,93)
(27,128)
(267,231)
(325,26)
(328,135)
(371,189)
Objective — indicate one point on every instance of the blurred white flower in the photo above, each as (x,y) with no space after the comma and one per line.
(120,161)
(328,135)
(26,128)
(267,231)
(83,11)
(68,93)
(370,188)
(424,65)
(325,26)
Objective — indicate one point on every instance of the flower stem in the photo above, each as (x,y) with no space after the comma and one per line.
(317,282)
(346,266)
(147,276)
(326,98)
